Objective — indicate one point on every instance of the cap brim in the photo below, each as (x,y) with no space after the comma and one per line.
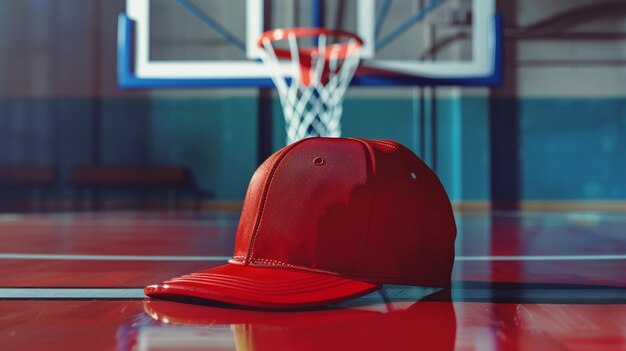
(261,287)
(181,313)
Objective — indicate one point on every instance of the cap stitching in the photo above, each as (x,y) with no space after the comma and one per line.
(276,263)
(265,194)
(272,262)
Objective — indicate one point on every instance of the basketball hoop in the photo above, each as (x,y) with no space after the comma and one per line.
(313,85)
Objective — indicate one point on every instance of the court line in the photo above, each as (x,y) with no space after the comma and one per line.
(26,256)
(70,293)
(394,293)
(138,293)
(543,258)
(412,293)
(21,256)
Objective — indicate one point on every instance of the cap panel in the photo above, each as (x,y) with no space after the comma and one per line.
(412,229)
(252,205)
(317,208)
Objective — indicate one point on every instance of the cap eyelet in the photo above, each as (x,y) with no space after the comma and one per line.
(318,161)
(413,176)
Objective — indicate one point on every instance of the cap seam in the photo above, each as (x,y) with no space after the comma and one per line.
(386,144)
(273,172)
(238,258)
(374,192)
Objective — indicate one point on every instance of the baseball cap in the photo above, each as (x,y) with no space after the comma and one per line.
(325,220)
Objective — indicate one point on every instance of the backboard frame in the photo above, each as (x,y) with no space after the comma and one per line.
(136,70)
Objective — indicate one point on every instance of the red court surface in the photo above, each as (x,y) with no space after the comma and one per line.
(522,281)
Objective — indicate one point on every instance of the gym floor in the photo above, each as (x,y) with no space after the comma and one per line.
(521,281)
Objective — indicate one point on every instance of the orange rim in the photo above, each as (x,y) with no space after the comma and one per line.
(338,50)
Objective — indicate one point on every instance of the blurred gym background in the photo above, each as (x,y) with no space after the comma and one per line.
(551,137)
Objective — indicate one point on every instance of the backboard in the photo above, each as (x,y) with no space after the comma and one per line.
(205,43)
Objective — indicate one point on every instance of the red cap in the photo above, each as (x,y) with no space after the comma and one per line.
(328,219)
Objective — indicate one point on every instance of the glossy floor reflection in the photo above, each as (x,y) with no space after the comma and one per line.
(433,324)
(401,325)
(162,325)
(522,281)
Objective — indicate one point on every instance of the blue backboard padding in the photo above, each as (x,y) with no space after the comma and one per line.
(128,79)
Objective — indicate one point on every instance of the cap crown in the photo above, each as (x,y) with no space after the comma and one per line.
(365,209)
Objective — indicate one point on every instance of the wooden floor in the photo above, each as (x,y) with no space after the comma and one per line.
(522,281)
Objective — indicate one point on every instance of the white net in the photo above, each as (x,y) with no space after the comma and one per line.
(312,97)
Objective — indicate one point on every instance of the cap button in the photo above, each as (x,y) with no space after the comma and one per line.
(318,161)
